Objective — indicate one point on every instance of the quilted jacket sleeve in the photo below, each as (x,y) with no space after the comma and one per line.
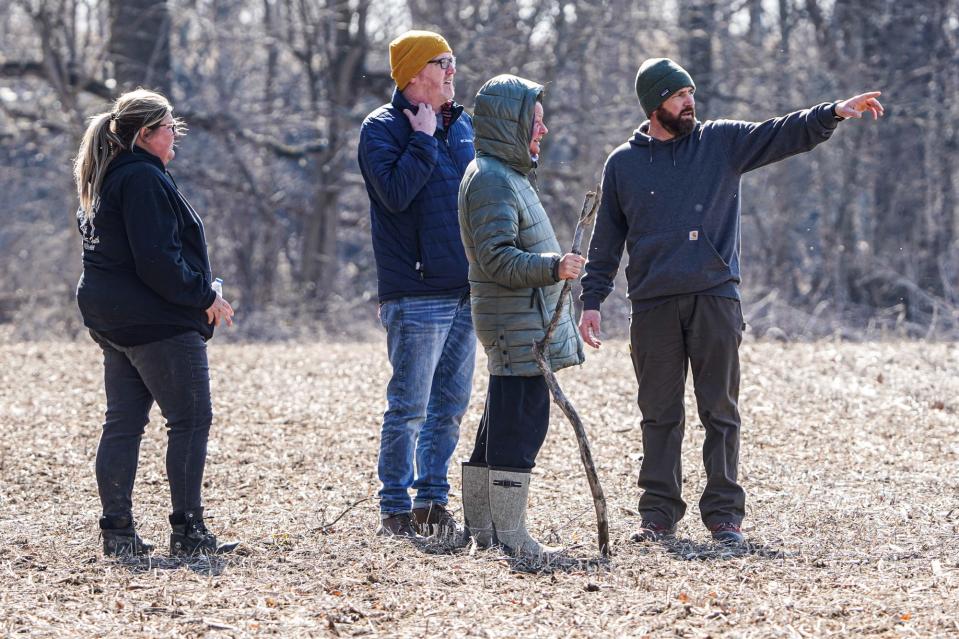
(494,211)
(395,170)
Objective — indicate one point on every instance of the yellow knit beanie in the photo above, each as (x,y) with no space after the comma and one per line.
(411,51)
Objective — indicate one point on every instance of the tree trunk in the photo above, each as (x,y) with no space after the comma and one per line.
(140,44)
(345,51)
(697,19)
(319,235)
(757,29)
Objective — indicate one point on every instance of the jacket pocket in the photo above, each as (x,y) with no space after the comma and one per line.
(545,312)
(674,262)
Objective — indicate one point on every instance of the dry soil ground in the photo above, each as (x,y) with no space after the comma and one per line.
(850,458)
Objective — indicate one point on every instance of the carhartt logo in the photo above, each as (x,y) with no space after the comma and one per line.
(507,483)
(693,235)
(664,93)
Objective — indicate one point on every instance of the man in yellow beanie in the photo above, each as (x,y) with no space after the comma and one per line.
(412,153)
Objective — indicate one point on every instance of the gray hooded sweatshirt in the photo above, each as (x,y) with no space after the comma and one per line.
(675,205)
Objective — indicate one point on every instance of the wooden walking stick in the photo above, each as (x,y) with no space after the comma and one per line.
(540,349)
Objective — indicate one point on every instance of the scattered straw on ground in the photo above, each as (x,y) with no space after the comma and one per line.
(850,459)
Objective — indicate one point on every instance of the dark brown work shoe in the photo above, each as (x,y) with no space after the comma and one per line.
(398,525)
(727,533)
(653,531)
(435,520)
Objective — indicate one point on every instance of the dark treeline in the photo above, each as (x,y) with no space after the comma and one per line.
(855,238)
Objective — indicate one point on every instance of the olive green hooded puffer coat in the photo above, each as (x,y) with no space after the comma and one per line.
(510,243)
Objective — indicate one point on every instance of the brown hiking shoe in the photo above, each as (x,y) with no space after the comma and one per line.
(435,520)
(727,533)
(653,531)
(398,525)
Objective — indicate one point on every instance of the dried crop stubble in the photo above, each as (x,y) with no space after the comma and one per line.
(849,460)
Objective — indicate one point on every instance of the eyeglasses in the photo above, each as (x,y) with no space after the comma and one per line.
(172,127)
(445,63)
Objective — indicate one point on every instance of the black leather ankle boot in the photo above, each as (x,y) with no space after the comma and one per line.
(191,537)
(120,537)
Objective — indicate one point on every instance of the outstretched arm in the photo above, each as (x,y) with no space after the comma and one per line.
(756,144)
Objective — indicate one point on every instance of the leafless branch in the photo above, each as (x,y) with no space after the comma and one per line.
(590,206)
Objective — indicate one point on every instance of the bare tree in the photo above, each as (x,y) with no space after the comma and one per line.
(697,19)
(140,44)
(863,230)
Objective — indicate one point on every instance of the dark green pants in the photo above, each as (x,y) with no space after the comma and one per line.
(700,332)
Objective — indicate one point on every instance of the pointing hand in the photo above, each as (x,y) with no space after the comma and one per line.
(855,106)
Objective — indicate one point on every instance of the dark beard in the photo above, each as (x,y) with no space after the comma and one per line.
(678,126)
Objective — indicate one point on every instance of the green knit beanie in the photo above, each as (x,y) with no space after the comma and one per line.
(657,79)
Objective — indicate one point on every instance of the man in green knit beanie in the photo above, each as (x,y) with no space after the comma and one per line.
(671,194)
(656,81)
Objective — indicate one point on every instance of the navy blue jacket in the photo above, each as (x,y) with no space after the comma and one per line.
(145,263)
(413,181)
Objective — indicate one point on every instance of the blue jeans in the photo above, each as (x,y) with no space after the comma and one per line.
(173,373)
(432,350)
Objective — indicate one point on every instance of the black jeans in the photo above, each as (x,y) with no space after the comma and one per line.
(514,423)
(174,373)
(702,332)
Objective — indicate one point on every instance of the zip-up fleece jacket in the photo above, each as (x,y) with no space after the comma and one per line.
(512,248)
(412,179)
(145,261)
(675,205)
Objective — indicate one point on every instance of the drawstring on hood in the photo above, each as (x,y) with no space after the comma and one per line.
(532,172)
(532,177)
(641,137)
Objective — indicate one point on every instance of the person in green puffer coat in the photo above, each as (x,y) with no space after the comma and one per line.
(516,275)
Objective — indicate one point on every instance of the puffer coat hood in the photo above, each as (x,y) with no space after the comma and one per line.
(510,244)
(503,120)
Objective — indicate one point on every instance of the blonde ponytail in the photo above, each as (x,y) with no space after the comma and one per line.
(108,134)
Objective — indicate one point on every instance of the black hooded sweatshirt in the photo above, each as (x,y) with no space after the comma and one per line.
(675,205)
(146,274)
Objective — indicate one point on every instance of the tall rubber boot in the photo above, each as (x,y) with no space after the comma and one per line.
(476,514)
(508,493)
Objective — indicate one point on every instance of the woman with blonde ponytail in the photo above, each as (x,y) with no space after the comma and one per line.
(146,295)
